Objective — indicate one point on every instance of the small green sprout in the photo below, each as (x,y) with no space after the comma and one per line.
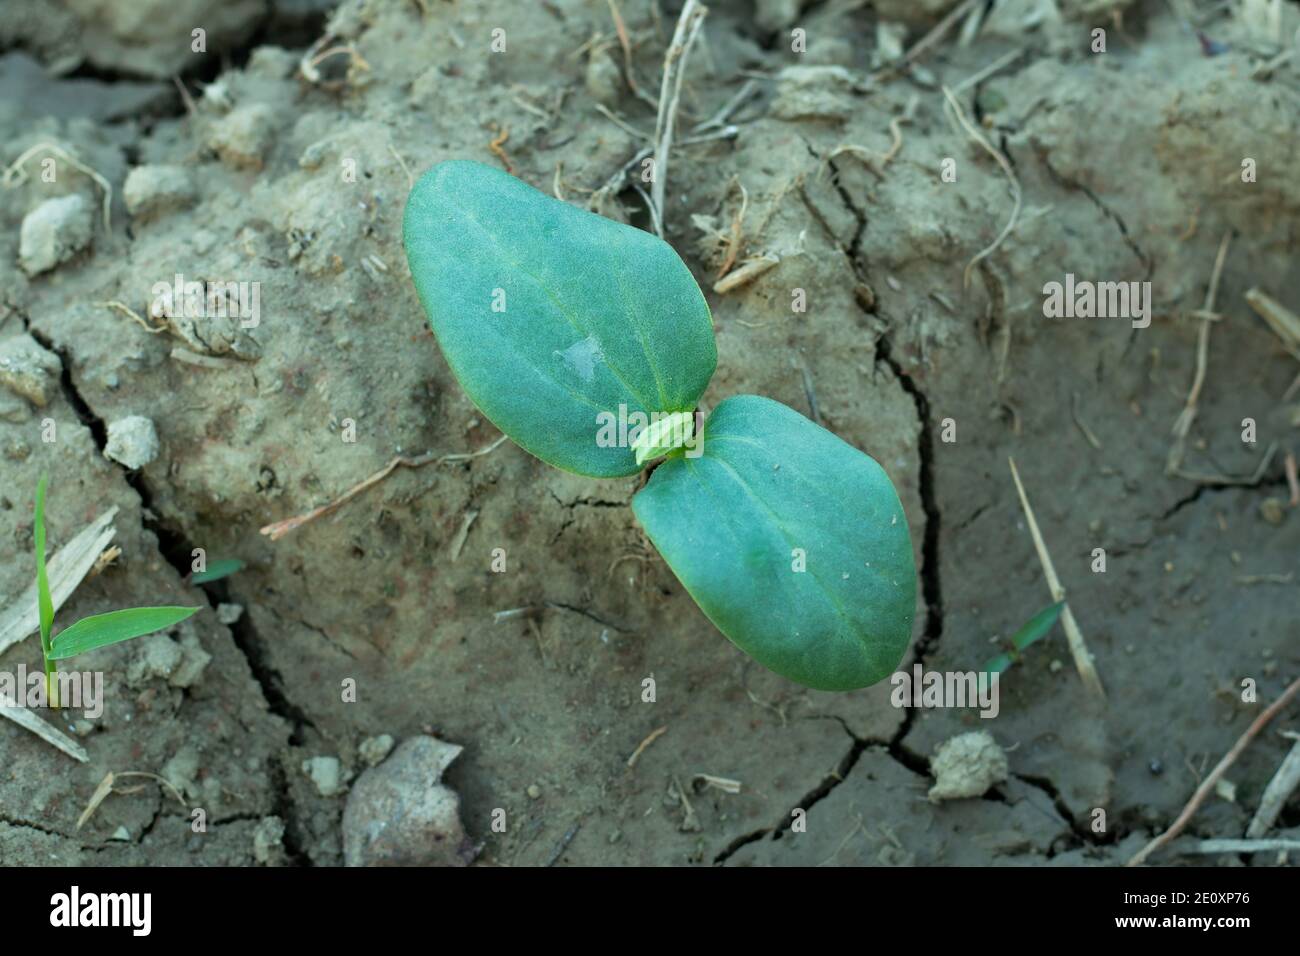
(559,323)
(217,570)
(98,630)
(1035,629)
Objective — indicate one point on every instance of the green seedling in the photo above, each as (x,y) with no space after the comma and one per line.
(1035,629)
(589,343)
(217,570)
(98,630)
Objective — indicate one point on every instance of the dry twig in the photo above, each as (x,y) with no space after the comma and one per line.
(653,736)
(16,175)
(1207,785)
(1276,794)
(1078,648)
(960,114)
(1183,424)
(279,529)
(670,94)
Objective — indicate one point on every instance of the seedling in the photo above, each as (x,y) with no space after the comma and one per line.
(217,570)
(559,324)
(98,630)
(1035,629)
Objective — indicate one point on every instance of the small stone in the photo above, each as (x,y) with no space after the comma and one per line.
(268,840)
(194,661)
(966,766)
(1056,666)
(228,614)
(54,232)
(1272,510)
(533,791)
(326,773)
(243,137)
(132,442)
(122,834)
(373,750)
(156,655)
(814,92)
(1225,789)
(152,190)
(400,814)
(28,370)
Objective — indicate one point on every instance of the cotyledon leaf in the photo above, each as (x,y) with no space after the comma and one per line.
(551,318)
(792,542)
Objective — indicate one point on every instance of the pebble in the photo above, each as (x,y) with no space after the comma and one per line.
(400,814)
(373,750)
(243,137)
(132,442)
(268,839)
(29,371)
(54,232)
(814,92)
(153,190)
(326,773)
(228,614)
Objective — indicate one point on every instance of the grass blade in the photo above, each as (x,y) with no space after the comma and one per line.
(1035,629)
(100,630)
(217,570)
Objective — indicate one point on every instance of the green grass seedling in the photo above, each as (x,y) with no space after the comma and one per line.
(89,633)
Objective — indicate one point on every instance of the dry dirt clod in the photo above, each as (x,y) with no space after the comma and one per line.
(373,750)
(399,813)
(815,92)
(326,773)
(152,190)
(966,766)
(132,442)
(268,840)
(28,370)
(243,137)
(54,232)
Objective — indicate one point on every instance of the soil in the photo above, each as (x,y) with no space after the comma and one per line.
(1129,163)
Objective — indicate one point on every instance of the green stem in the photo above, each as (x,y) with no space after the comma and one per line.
(52,683)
